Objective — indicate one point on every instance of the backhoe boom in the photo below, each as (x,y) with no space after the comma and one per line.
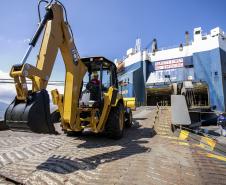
(56,36)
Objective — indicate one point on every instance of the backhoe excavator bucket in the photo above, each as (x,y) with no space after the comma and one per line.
(30,115)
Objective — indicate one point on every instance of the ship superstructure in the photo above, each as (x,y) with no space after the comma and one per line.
(196,68)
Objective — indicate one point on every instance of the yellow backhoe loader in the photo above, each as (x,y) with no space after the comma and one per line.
(99,107)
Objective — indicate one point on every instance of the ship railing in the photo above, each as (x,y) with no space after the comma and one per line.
(170,47)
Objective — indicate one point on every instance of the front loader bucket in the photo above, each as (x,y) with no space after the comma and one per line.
(30,115)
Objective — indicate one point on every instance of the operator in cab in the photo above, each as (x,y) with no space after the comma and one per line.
(94,87)
(95,79)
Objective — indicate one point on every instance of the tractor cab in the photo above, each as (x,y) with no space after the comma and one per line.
(101,75)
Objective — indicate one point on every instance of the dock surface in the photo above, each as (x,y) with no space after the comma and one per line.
(140,157)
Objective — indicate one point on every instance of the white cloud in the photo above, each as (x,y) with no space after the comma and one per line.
(7,40)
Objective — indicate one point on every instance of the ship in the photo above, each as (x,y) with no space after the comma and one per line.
(195,68)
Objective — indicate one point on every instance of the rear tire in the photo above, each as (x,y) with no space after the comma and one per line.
(115,124)
(129,119)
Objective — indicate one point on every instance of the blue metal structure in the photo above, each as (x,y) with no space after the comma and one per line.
(201,61)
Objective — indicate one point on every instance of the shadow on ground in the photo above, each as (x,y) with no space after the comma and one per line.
(131,144)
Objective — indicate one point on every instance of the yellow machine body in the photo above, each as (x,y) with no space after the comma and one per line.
(130,102)
(57,36)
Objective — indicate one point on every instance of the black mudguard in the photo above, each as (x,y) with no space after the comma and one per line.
(30,115)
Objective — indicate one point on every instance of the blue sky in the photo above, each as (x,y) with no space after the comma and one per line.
(108,27)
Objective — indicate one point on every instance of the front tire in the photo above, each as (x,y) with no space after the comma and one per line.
(115,124)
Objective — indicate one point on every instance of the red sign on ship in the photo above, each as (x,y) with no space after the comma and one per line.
(169,64)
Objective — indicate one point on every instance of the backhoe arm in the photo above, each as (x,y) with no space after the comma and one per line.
(56,36)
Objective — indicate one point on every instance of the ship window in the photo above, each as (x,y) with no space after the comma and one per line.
(189,66)
(197,32)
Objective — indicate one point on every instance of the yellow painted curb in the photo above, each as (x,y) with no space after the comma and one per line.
(210,142)
(219,157)
(183,135)
(214,156)
(203,141)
